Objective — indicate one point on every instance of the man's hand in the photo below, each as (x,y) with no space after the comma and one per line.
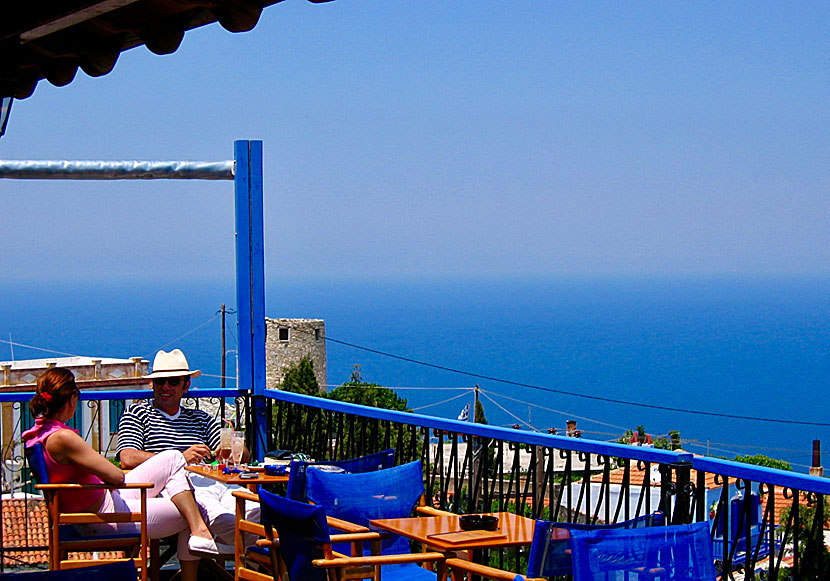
(197,453)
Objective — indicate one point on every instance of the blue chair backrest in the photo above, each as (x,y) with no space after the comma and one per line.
(120,571)
(668,553)
(361,497)
(37,462)
(302,531)
(550,552)
(368,463)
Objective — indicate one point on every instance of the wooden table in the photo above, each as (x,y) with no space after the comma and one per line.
(444,532)
(233,478)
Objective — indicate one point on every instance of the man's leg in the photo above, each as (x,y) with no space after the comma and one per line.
(219,507)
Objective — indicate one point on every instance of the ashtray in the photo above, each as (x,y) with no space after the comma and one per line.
(478,522)
(276,469)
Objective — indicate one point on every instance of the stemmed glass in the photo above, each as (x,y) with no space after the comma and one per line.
(223,454)
(237,447)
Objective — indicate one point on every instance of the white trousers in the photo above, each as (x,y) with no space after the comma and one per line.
(218,506)
(166,472)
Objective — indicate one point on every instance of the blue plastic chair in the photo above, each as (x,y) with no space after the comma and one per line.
(304,545)
(120,571)
(359,498)
(734,543)
(668,553)
(297,474)
(550,553)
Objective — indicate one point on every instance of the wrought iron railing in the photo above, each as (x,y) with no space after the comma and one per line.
(473,467)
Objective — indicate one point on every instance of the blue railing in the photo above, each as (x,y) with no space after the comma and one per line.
(472,467)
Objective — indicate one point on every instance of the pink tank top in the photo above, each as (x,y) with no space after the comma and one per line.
(70,501)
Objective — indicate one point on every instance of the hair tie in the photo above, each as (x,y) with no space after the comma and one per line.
(47,397)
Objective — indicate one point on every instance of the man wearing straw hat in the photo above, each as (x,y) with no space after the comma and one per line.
(149,427)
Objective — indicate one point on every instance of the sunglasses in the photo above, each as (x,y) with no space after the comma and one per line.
(171,381)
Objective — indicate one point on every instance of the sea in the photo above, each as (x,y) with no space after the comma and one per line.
(739,366)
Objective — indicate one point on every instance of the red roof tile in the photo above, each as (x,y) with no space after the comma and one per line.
(25,525)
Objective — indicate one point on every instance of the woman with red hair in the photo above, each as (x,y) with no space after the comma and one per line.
(69,458)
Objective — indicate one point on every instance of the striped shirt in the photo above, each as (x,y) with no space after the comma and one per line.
(143,427)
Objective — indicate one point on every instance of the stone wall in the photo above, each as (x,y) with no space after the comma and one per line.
(289,340)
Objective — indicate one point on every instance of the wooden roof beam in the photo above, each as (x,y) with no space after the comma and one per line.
(75,17)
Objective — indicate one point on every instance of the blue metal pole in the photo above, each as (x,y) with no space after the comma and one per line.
(250,284)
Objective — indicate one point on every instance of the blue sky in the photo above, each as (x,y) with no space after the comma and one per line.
(409,139)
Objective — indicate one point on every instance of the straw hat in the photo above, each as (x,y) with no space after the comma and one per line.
(173,364)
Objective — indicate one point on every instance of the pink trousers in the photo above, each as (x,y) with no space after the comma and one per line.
(166,471)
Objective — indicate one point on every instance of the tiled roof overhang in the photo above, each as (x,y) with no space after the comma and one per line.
(51,39)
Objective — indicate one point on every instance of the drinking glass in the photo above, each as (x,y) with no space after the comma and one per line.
(237,447)
(225,441)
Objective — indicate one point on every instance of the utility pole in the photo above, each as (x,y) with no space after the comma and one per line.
(477,480)
(475,407)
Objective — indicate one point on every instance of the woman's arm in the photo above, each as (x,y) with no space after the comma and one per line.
(67,447)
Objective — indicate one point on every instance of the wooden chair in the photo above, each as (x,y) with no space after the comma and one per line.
(64,539)
(106,572)
(305,547)
(264,553)
(259,556)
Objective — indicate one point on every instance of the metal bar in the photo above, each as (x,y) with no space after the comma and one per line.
(116,170)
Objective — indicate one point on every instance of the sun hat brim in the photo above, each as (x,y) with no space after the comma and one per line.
(173,373)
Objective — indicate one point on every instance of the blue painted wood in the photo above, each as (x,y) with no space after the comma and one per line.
(508,434)
(729,468)
(257,267)
(121,394)
(250,283)
(763,474)
(242,197)
(259,405)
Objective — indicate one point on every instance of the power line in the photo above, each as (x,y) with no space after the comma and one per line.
(206,323)
(569,414)
(429,405)
(572,394)
(13,343)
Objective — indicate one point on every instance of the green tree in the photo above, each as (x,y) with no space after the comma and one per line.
(674,436)
(811,565)
(378,434)
(761,460)
(300,378)
(369,394)
(478,416)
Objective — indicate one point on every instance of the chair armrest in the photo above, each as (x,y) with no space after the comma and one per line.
(246,495)
(485,571)
(431,511)
(344,538)
(72,486)
(378,560)
(267,543)
(356,537)
(344,525)
(247,526)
